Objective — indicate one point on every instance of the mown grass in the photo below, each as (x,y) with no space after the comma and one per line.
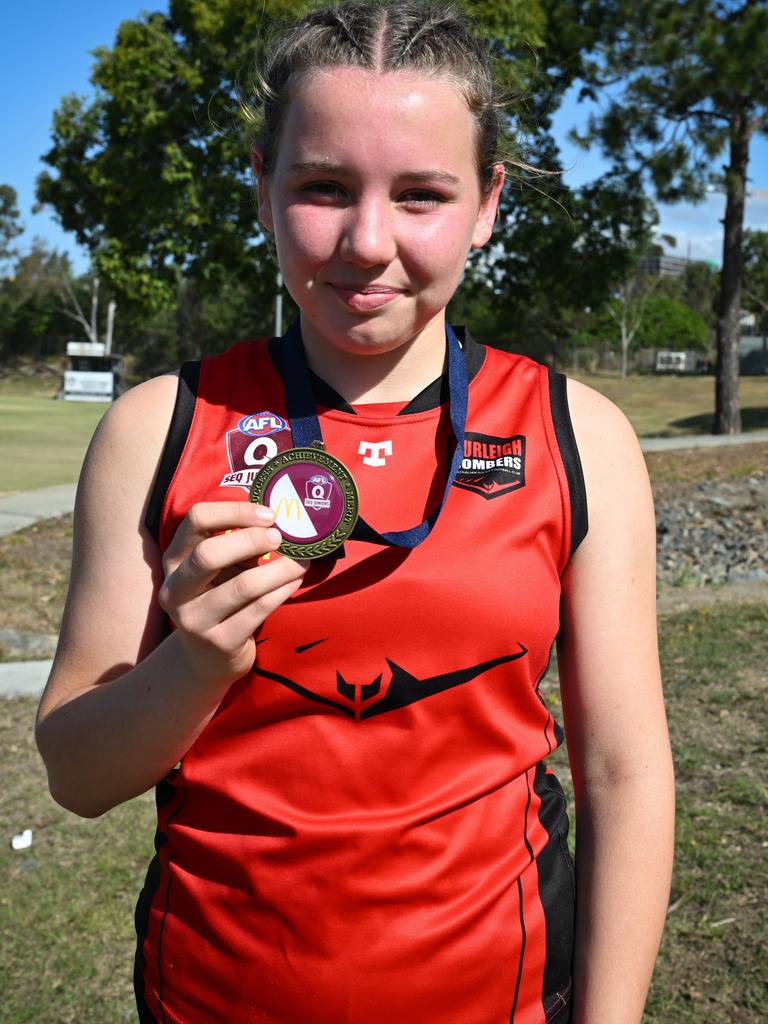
(66,906)
(672,406)
(42,442)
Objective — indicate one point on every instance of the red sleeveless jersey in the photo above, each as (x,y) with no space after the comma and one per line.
(366,832)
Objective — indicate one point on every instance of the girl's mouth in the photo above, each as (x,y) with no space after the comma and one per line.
(365,298)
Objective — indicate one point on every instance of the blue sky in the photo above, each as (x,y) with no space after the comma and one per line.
(47,53)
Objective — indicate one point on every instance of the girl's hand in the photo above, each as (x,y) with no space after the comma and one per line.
(215,592)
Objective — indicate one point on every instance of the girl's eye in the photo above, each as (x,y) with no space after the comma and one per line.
(421,198)
(323,189)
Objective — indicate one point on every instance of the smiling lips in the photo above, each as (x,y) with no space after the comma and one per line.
(365,298)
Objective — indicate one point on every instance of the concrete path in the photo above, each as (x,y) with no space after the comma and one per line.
(668,444)
(20,510)
(27,678)
(23,678)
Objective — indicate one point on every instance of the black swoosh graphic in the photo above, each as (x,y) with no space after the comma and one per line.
(404,688)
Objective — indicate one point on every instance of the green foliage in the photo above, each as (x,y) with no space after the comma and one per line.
(32,323)
(755,274)
(699,288)
(10,225)
(200,323)
(677,76)
(670,324)
(151,176)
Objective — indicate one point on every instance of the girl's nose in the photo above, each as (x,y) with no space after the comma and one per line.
(368,239)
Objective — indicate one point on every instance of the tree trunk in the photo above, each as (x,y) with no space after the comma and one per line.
(727,409)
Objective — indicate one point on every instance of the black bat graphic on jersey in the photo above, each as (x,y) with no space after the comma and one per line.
(404,688)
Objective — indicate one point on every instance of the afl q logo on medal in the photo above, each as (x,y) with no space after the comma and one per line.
(314,499)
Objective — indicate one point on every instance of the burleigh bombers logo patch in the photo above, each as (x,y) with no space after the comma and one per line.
(258,437)
(492,466)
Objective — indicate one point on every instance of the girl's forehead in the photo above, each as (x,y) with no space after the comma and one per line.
(337,106)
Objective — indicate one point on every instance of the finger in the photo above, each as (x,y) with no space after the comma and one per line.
(213,554)
(206,518)
(254,586)
(240,626)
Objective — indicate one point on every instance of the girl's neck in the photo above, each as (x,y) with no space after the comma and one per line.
(394,376)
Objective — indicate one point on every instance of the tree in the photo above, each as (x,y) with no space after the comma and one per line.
(153,174)
(557,251)
(755,272)
(153,177)
(71,307)
(561,253)
(668,323)
(627,311)
(31,322)
(10,225)
(684,82)
(699,287)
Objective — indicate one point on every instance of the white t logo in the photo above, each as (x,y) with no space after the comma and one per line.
(375,454)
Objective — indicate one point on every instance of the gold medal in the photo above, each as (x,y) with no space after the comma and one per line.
(314,499)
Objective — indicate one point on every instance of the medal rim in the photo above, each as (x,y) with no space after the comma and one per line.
(318,457)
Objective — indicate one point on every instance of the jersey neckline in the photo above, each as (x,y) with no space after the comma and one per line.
(430,398)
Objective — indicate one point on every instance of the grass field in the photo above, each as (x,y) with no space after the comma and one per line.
(670,406)
(43,442)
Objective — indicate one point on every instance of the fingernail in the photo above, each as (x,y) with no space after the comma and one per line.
(274,536)
(265,515)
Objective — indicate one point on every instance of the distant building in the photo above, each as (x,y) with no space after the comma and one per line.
(663,265)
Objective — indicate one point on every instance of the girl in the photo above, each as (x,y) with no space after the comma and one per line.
(356,821)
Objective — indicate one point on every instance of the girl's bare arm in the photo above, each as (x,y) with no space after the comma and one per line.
(615,724)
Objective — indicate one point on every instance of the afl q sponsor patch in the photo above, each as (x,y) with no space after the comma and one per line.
(492,466)
(258,437)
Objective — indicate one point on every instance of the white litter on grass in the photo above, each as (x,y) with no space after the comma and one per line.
(23,840)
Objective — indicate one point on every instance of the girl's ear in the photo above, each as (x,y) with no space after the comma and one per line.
(265,208)
(489,207)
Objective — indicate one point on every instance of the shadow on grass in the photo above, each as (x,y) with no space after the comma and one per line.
(753,418)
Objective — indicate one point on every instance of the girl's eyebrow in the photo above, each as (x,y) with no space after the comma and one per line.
(320,167)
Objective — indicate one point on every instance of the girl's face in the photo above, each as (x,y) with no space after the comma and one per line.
(374,202)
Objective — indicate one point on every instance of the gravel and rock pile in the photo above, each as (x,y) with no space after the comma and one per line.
(713,532)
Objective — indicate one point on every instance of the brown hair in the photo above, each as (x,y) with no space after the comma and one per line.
(382,36)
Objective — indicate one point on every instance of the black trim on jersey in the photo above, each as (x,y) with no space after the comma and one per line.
(561,417)
(557,893)
(165,791)
(181,420)
(431,397)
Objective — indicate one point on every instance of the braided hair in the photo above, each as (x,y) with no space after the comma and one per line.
(382,36)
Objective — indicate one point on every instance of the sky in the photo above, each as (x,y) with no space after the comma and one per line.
(47,53)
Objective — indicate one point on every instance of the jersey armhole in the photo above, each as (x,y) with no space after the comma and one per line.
(181,420)
(569,452)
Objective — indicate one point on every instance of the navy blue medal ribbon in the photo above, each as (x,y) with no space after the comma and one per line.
(305,426)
